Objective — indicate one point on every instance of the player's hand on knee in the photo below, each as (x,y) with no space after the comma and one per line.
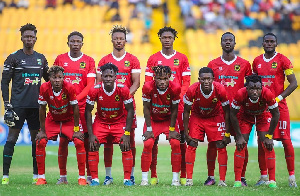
(226,140)
(268,143)
(174,135)
(40,135)
(78,135)
(182,137)
(240,143)
(93,143)
(10,116)
(125,142)
(147,135)
(221,144)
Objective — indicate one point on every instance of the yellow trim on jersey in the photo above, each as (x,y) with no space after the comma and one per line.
(288,72)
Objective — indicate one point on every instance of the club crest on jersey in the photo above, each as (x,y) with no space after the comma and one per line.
(237,68)
(127,64)
(117,98)
(168,97)
(274,65)
(82,65)
(176,61)
(63,96)
(215,100)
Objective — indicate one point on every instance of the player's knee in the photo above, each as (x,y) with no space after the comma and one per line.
(122,147)
(193,144)
(78,143)
(148,144)
(175,143)
(42,143)
(220,144)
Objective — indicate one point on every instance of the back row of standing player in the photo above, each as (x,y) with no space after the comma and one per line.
(229,69)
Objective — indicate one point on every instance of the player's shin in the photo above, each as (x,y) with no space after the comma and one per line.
(245,162)
(146,157)
(183,165)
(261,159)
(222,160)
(190,157)
(8,152)
(86,146)
(63,155)
(154,161)
(270,160)
(81,156)
(93,163)
(211,156)
(33,153)
(127,163)
(289,156)
(239,159)
(175,155)
(41,156)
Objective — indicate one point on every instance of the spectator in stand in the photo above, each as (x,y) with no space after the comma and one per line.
(50,4)
(68,2)
(2,5)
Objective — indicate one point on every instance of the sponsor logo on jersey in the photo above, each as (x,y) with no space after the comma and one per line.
(33,82)
(237,68)
(117,98)
(231,83)
(215,100)
(274,65)
(76,81)
(82,65)
(176,62)
(127,64)
(268,83)
(30,75)
(114,115)
(168,97)
(172,78)
(39,61)
(63,96)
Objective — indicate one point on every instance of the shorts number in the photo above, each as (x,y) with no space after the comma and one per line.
(221,126)
(282,124)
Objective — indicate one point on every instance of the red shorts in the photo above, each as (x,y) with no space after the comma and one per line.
(159,127)
(213,127)
(53,128)
(282,130)
(262,123)
(104,132)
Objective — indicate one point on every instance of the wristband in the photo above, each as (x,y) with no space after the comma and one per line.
(269,136)
(126,133)
(171,128)
(149,128)
(279,98)
(227,134)
(76,128)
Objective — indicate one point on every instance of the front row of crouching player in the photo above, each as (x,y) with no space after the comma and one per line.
(210,115)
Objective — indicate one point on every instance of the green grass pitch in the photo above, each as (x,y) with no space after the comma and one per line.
(21,174)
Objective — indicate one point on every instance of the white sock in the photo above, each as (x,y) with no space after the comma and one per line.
(126,180)
(145,176)
(264,176)
(81,177)
(96,179)
(34,176)
(89,177)
(42,176)
(175,175)
(5,176)
(108,171)
(212,177)
(132,171)
(292,177)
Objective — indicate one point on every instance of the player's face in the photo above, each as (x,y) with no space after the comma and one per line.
(206,80)
(57,81)
(75,43)
(118,39)
(108,77)
(162,81)
(167,40)
(228,43)
(254,90)
(28,38)
(269,44)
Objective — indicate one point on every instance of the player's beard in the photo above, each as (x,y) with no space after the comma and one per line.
(270,51)
(229,50)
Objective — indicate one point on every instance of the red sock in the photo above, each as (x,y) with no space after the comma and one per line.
(127,163)
(63,155)
(289,155)
(147,155)
(183,165)
(175,155)
(41,155)
(132,146)
(190,157)
(245,162)
(108,153)
(154,161)
(262,160)
(222,160)
(93,163)
(270,160)
(239,159)
(211,156)
(87,148)
(80,153)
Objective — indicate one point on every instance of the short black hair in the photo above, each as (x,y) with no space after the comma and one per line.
(161,69)
(28,27)
(271,34)
(228,33)
(253,78)
(75,33)
(167,29)
(206,70)
(109,66)
(118,28)
(55,69)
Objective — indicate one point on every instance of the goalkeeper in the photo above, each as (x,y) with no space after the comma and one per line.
(25,68)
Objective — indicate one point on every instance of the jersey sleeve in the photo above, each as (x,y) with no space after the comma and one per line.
(101,62)
(136,67)
(248,70)
(150,63)
(186,70)
(188,98)
(238,100)
(286,63)
(126,95)
(146,91)
(91,70)
(176,94)
(42,100)
(92,95)
(45,69)
(72,94)
(270,99)
(7,74)
(223,95)
(254,66)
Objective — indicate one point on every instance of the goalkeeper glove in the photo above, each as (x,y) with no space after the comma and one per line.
(10,115)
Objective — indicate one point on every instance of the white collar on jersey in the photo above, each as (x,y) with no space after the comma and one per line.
(207,96)
(56,94)
(268,60)
(252,101)
(109,93)
(118,59)
(229,62)
(162,92)
(168,56)
(74,59)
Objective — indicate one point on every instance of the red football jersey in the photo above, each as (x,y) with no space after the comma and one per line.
(77,70)
(178,63)
(254,108)
(110,108)
(206,106)
(127,65)
(272,71)
(60,104)
(161,101)
(230,73)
